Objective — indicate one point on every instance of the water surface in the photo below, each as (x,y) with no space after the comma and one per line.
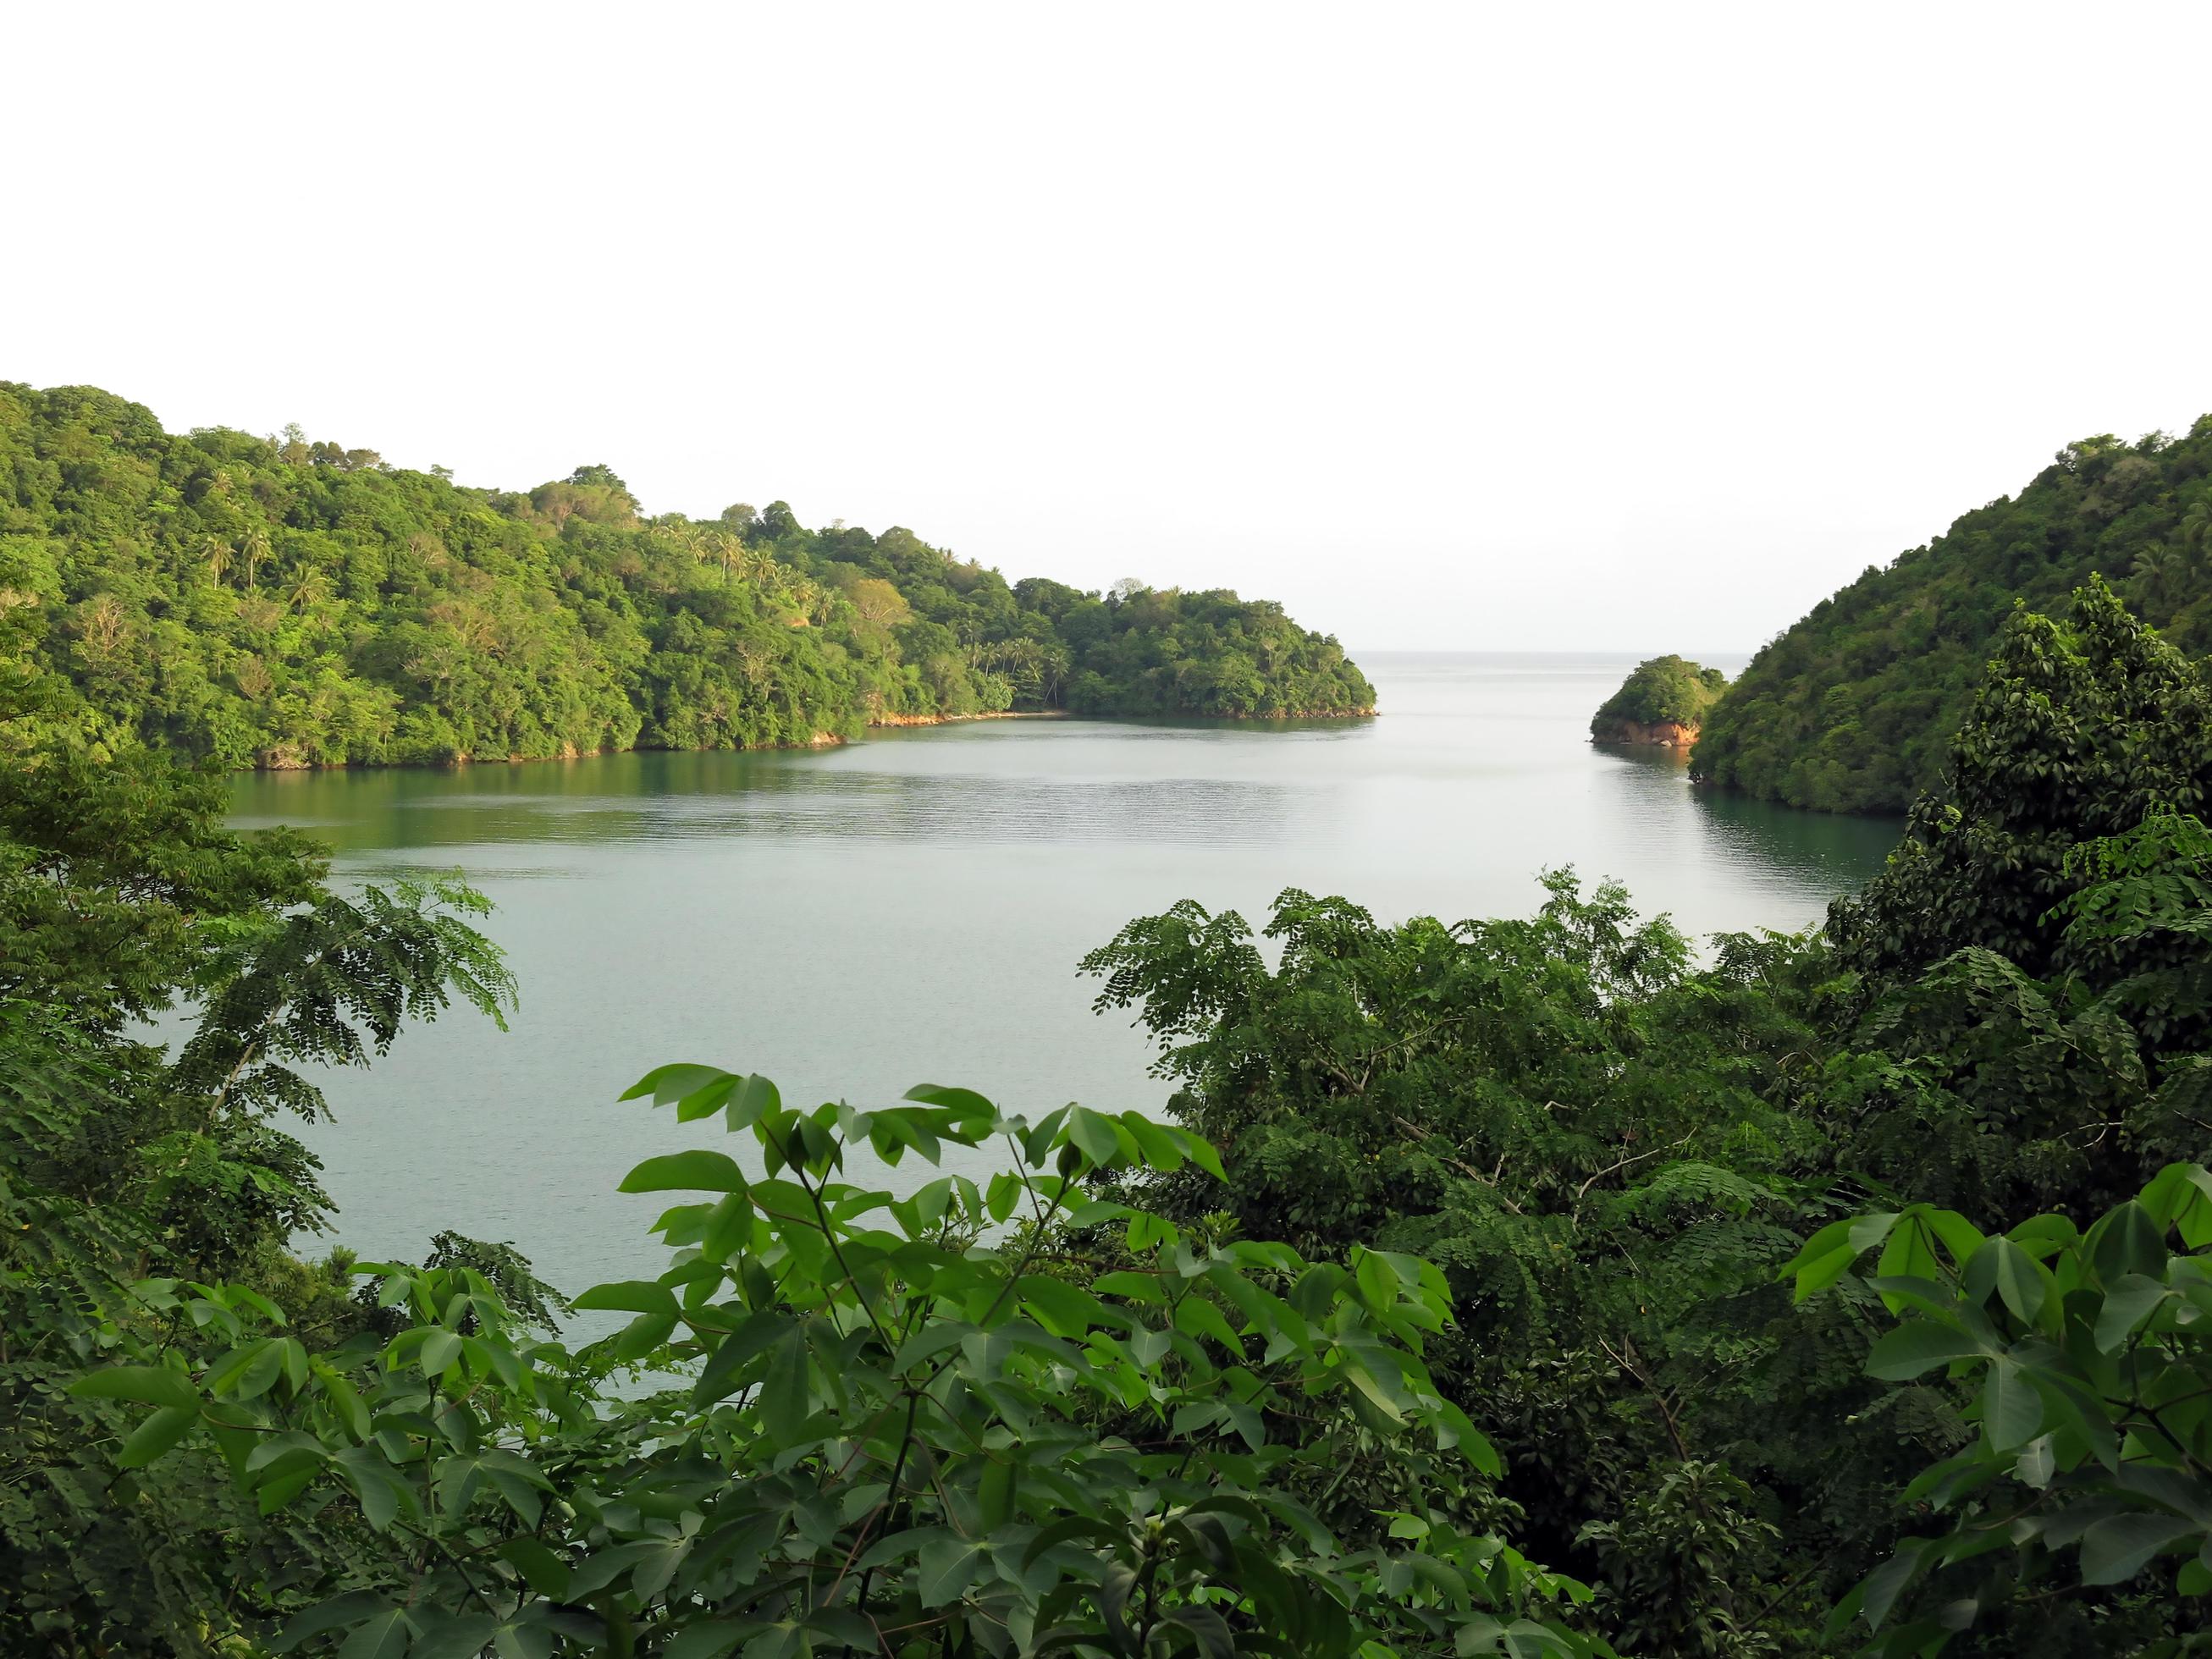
(912,909)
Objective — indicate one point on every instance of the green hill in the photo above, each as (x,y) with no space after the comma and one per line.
(1850,710)
(1665,692)
(277,602)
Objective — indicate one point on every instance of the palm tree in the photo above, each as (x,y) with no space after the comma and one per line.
(308,588)
(256,550)
(216,552)
(2196,527)
(2157,571)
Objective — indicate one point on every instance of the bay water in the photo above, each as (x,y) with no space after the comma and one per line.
(912,909)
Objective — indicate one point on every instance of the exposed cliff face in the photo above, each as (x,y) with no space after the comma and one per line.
(1665,703)
(1666,734)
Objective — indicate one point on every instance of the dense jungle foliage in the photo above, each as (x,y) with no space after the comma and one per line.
(1851,709)
(1659,691)
(1534,1286)
(278,602)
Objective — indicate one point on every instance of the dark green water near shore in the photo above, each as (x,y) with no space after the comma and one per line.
(911,910)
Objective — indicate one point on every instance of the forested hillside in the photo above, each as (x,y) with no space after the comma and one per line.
(1848,711)
(287,603)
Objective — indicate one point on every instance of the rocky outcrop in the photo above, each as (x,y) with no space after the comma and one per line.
(1666,734)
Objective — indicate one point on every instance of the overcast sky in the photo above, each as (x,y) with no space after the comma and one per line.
(1632,328)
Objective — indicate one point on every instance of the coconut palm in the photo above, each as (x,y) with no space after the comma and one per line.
(308,588)
(216,552)
(2196,527)
(2157,571)
(256,550)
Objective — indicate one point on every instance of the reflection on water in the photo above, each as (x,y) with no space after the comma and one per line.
(911,908)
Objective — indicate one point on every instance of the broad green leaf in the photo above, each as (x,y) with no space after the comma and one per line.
(783,1399)
(627,1296)
(440,1350)
(711,1638)
(1916,1346)
(2129,1300)
(698,1169)
(452,1636)
(947,1564)
(2012,1411)
(543,1571)
(995,1491)
(2128,1241)
(1098,1138)
(729,1227)
(157,1434)
(671,1083)
(150,1385)
(384,1636)
(336,1614)
(2117,1548)
(1063,1309)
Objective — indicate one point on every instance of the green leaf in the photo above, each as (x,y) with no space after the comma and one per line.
(699,1171)
(1371,1400)
(374,1484)
(150,1385)
(672,1083)
(157,1434)
(995,1490)
(1063,1309)
(248,1372)
(1214,1640)
(947,1564)
(384,1637)
(453,1635)
(1095,1136)
(757,1098)
(333,1615)
(1196,1316)
(1202,1152)
(543,1571)
(2117,1548)
(1916,1346)
(2128,1241)
(2012,1411)
(629,1296)
(2022,1281)
(729,1227)
(711,1638)
(2130,1300)
(784,1400)
(440,1350)
(1155,1145)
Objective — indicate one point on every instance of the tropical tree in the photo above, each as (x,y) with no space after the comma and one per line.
(255,550)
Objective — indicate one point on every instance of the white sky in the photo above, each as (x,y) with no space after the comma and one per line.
(1485,327)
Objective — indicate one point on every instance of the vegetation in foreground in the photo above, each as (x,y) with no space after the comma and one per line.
(275,602)
(1664,700)
(1851,709)
(1528,1286)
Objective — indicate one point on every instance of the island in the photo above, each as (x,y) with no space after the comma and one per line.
(1664,701)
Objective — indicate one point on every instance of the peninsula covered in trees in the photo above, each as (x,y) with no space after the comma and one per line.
(1664,700)
(1850,709)
(281,601)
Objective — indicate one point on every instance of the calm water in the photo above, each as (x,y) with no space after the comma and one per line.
(911,910)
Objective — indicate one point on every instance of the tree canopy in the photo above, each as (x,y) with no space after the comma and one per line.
(279,602)
(1663,690)
(1850,708)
